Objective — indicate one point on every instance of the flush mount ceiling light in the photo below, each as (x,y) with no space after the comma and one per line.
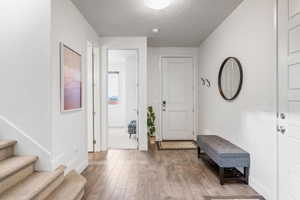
(157,4)
(155,30)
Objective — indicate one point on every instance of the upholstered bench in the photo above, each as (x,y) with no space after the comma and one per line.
(225,155)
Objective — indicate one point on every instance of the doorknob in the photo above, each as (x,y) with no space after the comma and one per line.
(281,129)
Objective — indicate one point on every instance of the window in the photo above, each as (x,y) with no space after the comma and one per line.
(113,87)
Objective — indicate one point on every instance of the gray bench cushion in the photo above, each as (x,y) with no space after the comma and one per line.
(223,152)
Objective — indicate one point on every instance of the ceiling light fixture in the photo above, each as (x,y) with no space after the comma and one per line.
(157,4)
(155,30)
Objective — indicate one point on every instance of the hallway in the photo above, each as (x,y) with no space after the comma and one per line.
(154,175)
(87,87)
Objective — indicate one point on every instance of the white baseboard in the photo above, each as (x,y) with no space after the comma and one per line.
(70,162)
(260,188)
(205,132)
(58,160)
(82,166)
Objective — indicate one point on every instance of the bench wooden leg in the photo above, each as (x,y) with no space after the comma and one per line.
(221,175)
(199,152)
(246,175)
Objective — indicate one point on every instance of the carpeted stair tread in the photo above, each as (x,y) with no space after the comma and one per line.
(7,143)
(11,165)
(70,189)
(34,184)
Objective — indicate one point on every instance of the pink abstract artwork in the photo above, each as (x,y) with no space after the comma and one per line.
(72,83)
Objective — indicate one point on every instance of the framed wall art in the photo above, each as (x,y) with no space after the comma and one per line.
(71,79)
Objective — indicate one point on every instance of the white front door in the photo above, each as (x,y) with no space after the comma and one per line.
(289,99)
(177,98)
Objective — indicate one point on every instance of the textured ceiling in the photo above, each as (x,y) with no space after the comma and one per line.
(183,23)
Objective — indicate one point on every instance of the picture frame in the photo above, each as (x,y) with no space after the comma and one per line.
(70,79)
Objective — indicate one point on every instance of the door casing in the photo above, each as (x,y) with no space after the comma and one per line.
(106,126)
(288,125)
(104,113)
(93,110)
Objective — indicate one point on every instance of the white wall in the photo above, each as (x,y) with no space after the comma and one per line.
(139,43)
(250,120)
(154,78)
(69,129)
(25,73)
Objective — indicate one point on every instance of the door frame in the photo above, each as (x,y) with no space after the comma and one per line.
(128,43)
(139,43)
(92,116)
(105,93)
(276,22)
(195,92)
(279,86)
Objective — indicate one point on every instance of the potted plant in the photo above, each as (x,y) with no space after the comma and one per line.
(151,124)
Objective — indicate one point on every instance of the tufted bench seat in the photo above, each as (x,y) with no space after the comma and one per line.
(225,155)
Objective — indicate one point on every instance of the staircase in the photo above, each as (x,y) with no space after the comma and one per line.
(20,181)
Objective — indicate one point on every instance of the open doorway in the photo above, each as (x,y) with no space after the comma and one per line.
(122,99)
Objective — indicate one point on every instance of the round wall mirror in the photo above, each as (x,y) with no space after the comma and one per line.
(230,78)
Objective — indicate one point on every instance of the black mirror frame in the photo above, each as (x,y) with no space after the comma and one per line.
(241,80)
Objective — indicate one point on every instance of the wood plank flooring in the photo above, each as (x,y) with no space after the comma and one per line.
(154,175)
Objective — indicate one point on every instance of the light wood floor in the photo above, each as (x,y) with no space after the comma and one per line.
(154,175)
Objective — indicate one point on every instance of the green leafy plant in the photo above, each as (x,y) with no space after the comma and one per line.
(151,121)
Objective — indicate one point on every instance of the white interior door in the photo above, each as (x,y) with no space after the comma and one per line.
(177,99)
(289,99)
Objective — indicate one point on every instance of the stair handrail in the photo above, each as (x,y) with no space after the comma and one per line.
(41,148)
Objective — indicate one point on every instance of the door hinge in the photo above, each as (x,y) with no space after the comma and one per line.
(94,113)
(94,141)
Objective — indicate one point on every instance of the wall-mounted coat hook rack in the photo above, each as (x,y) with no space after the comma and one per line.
(208,84)
(203,81)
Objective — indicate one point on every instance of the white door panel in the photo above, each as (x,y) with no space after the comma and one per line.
(177,93)
(289,99)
